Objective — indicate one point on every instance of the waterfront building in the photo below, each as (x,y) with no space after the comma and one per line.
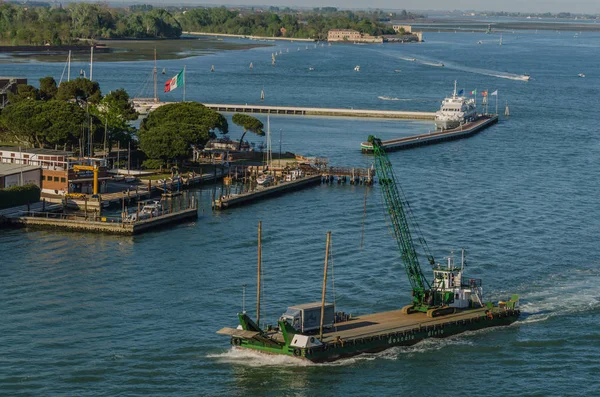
(19,175)
(350,35)
(58,172)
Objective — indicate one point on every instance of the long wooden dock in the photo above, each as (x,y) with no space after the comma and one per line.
(434,137)
(123,228)
(146,107)
(283,187)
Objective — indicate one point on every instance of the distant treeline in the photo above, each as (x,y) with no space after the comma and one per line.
(45,25)
(289,23)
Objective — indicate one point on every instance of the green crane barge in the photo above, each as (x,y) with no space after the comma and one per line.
(449,305)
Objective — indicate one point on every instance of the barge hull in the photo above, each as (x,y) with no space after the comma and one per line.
(378,332)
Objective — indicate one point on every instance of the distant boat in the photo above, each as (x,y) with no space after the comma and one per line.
(287,50)
(311,68)
(480,42)
(357,68)
(525,77)
(507,111)
(397,70)
(164,71)
(298,48)
(307,47)
(212,68)
(262,95)
(581,75)
(500,43)
(251,66)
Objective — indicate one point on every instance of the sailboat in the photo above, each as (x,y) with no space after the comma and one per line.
(507,111)
(262,95)
(500,43)
(68,69)
(251,66)
(267,179)
(287,50)
(164,71)
(212,68)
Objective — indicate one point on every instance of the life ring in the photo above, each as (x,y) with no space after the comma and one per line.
(297,352)
(236,341)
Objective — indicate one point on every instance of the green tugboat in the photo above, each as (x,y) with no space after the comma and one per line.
(449,305)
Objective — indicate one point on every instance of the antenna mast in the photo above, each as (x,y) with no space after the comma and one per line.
(154,72)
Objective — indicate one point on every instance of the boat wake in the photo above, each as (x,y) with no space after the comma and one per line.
(561,297)
(454,66)
(389,98)
(250,358)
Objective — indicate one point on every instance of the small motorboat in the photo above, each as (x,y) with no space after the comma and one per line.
(397,71)
(357,68)
(265,180)
(311,68)
(581,75)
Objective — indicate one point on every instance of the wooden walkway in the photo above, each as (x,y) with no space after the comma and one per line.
(434,137)
(146,107)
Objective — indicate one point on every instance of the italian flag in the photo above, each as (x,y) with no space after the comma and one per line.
(175,82)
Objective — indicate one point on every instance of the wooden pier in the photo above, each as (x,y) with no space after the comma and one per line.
(98,224)
(260,193)
(434,137)
(146,107)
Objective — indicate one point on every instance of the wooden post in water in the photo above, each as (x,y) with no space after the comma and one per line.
(258,274)
(324,285)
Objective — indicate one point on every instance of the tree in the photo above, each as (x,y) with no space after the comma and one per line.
(170,131)
(43,123)
(114,112)
(248,123)
(82,90)
(24,92)
(48,88)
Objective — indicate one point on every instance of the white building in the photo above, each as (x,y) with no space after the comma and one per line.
(18,175)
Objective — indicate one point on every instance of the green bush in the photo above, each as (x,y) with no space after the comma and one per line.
(19,195)
(152,164)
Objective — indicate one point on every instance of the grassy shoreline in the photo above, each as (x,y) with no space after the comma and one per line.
(128,50)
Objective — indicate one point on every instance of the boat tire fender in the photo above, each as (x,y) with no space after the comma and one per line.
(297,352)
(236,341)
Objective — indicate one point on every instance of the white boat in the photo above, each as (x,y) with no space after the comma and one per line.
(397,71)
(251,66)
(500,43)
(149,210)
(480,42)
(265,180)
(357,68)
(311,68)
(455,111)
(525,77)
(262,95)
(581,75)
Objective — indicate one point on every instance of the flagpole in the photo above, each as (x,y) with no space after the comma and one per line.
(183,83)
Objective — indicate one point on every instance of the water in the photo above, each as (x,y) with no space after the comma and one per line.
(105,315)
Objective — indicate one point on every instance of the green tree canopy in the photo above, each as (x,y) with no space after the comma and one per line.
(43,123)
(48,88)
(81,90)
(170,131)
(248,123)
(24,92)
(114,112)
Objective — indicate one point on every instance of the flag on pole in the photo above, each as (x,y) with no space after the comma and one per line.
(484,93)
(474,92)
(175,82)
(461,92)
(495,93)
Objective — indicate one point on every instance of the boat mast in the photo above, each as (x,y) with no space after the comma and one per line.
(324,285)
(91,62)
(258,274)
(69,67)
(454,94)
(154,71)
